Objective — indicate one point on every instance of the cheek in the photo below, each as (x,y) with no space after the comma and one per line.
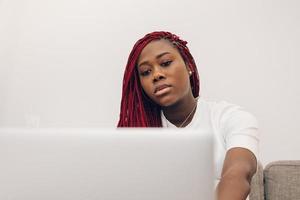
(182,76)
(183,81)
(146,86)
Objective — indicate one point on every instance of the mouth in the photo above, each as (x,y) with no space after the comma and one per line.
(161,89)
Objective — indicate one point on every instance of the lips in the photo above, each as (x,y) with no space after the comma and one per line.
(160,87)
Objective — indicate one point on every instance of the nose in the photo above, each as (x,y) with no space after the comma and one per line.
(158,75)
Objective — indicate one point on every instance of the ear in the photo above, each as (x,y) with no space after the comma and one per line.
(190,72)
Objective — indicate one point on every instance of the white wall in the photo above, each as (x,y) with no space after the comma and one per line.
(62,61)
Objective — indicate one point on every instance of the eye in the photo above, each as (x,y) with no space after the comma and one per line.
(167,63)
(145,73)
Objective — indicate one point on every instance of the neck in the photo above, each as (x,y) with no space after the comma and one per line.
(181,113)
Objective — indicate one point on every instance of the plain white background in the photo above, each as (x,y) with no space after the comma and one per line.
(62,61)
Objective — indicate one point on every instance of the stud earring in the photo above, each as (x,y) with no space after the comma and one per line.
(190,73)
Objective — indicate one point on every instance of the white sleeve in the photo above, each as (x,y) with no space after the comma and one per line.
(239,128)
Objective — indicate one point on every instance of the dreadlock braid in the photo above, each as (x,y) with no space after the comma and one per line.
(136,109)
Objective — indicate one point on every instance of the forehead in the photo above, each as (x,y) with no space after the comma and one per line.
(157,47)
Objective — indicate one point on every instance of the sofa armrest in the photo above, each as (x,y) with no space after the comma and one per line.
(257,184)
(282,180)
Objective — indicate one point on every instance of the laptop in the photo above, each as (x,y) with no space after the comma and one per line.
(105,164)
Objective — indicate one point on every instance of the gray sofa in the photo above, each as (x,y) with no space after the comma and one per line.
(279,180)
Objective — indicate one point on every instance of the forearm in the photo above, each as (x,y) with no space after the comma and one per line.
(233,188)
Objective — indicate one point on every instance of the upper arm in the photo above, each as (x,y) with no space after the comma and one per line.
(241,137)
(239,131)
(239,163)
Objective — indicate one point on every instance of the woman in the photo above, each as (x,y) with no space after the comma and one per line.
(161,89)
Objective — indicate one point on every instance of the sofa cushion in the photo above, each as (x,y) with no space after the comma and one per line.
(257,185)
(282,180)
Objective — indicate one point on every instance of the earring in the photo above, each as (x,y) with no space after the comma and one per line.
(190,73)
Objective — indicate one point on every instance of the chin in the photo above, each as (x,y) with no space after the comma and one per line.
(166,101)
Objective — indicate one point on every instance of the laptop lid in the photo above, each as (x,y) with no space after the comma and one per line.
(108,164)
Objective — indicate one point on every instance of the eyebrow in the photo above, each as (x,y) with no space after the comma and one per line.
(157,57)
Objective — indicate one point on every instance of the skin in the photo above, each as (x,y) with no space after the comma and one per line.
(239,166)
(161,63)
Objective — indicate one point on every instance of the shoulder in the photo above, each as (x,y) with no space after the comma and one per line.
(229,113)
(237,126)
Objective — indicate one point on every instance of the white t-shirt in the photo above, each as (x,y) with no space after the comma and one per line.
(231,125)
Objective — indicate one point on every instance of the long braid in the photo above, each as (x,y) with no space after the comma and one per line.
(136,108)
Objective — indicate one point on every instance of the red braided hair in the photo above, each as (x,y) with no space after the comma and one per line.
(136,108)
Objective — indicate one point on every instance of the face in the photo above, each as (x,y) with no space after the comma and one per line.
(163,73)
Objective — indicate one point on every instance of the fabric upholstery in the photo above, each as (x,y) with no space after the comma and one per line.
(282,180)
(257,182)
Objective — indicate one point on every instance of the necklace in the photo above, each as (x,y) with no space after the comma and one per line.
(189,115)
